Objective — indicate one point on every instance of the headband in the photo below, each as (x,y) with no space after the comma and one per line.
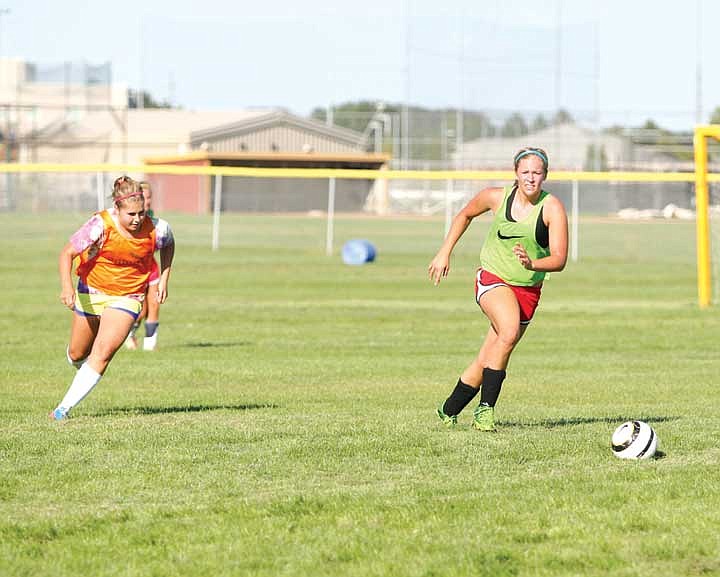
(128,195)
(537,153)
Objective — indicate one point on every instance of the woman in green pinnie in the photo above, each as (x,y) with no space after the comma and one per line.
(527,239)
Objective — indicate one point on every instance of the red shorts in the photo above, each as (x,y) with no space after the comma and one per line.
(154,274)
(528,297)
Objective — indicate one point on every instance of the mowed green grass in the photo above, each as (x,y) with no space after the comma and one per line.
(286,424)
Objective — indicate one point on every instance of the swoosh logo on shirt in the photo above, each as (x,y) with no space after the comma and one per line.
(503,237)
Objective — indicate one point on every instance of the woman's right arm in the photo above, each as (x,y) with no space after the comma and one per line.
(67,291)
(92,232)
(486,199)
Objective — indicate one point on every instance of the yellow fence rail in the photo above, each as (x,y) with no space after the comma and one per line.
(341,173)
(700,177)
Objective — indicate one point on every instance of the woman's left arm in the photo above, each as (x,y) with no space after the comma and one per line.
(167,254)
(556,220)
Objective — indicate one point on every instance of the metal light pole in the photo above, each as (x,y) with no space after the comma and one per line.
(3,12)
(7,140)
(405,112)
(140,97)
(558,54)
(698,64)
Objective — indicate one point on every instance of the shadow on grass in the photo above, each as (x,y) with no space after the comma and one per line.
(183,409)
(220,344)
(564,422)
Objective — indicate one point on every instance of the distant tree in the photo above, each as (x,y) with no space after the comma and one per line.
(353,115)
(515,125)
(616,129)
(428,141)
(650,125)
(562,116)
(148,100)
(319,113)
(595,158)
(677,145)
(477,125)
(434,133)
(715,117)
(539,123)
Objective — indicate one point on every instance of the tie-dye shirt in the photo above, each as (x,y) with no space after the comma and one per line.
(92,232)
(112,263)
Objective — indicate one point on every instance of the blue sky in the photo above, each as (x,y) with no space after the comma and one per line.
(626,60)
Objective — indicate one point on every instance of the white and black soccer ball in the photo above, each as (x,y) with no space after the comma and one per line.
(634,440)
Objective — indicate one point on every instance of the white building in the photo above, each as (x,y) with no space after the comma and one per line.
(569,147)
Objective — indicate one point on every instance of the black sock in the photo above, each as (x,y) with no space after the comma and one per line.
(459,398)
(150,328)
(491,384)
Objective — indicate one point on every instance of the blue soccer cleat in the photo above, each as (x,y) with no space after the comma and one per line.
(59,414)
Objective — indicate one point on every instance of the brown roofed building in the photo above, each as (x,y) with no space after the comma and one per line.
(277,139)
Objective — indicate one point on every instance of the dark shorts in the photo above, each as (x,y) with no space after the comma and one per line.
(528,297)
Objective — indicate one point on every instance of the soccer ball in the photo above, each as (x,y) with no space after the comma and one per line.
(634,440)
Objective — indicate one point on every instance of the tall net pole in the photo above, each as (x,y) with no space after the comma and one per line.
(702,213)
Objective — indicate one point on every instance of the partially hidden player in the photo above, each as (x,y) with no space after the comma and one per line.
(151,306)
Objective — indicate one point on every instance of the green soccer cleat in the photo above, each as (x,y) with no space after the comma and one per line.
(484,418)
(448,420)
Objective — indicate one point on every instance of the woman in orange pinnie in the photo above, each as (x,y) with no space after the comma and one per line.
(115,248)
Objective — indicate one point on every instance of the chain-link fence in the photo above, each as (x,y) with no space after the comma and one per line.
(414,139)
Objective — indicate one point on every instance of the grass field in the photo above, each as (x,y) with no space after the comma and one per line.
(285,426)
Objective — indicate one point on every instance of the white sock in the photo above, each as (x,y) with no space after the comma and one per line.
(85,380)
(77,364)
(133,328)
(149,343)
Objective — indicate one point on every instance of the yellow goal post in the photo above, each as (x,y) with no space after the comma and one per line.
(702,208)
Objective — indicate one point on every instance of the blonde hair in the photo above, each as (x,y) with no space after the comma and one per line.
(539,152)
(144,185)
(125,188)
